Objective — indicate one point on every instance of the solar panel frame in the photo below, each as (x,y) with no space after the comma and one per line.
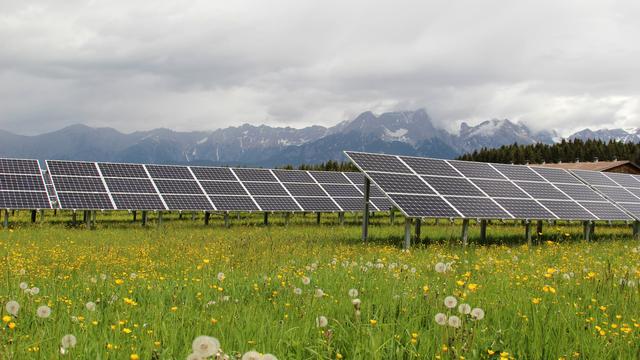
(627,181)
(234,203)
(138,201)
(302,189)
(330,177)
(21,182)
(171,172)
(317,203)
(204,173)
(122,170)
(277,203)
(293,176)
(453,185)
(476,170)
(430,166)
(231,188)
(72,168)
(478,207)
(379,162)
(19,166)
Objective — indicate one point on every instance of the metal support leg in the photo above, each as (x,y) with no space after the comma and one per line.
(465,232)
(418,229)
(145,217)
(483,231)
(636,229)
(365,209)
(392,216)
(193,216)
(5,222)
(341,218)
(159,218)
(527,232)
(33,216)
(539,230)
(135,215)
(593,229)
(407,234)
(41,215)
(87,216)
(74,218)
(207,215)
(318,218)
(226,219)
(586,228)
(266,218)
(287,215)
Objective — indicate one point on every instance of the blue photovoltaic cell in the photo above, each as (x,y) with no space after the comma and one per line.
(426,166)
(396,183)
(424,206)
(476,170)
(378,162)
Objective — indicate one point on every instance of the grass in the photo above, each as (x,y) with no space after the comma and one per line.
(562,298)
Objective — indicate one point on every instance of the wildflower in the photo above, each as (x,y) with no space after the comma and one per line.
(43,311)
(536,301)
(321,321)
(133,276)
(441,267)
(13,307)
(306,280)
(353,293)
(221,276)
(68,341)
(269,357)
(91,306)
(205,346)
(373,322)
(319,293)
(441,319)
(252,355)
(6,319)
(11,325)
(450,302)
(24,285)
(472,287)
(464,309)
(103,277)
(356,302)
(134,357)
(477,314)
(297,291)
(454,321)
(119,281)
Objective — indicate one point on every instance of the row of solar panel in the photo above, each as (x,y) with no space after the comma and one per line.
(425,187)
(87,186)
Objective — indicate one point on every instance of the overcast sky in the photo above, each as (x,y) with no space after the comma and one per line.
(202,65)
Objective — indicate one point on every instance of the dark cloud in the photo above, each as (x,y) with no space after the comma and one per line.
(201,65)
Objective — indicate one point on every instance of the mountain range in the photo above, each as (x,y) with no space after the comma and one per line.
(402,132)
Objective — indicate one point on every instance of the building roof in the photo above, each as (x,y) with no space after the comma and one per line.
(593,166)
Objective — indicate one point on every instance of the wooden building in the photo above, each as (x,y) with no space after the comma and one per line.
(619,166)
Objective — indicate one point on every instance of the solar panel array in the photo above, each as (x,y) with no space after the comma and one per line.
(22,185)
(623,189)
(89,186)
(425,187)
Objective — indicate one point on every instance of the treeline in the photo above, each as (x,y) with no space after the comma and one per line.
(565,151)
(330,165)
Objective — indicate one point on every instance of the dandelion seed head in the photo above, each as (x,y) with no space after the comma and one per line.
(43,311)
(464,309)
(321,321)
(252,355)
(12,307)
(297,291)
(24,285)
(221,276)
(91,306)
(477,314)
(454,321)
(440,318)
(353,293)
(205,346)
(440,267)
(68,341)
(450,302)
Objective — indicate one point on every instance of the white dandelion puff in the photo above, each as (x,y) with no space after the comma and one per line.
(194,356)
(450,302)
(252,355)
(94,279)
(205,346)
(24,285)
(13,307)
(464,309)
(133,276)
(441,267)
(103,276)
(35,290)
(91,306)
(68,341)
(269,357)
(297,291)
(356,302)
(353,293)
(306,280)
(43,311)
(321,321)
(319,293)
(477,314)
(454,321)
(440,318)
(221,276)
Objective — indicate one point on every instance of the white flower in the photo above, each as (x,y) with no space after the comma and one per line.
(413,270)
(252,355)
(43,311)
(449,266)
(24,285)
(35,290)
(297,291)
(27,291)
(353,293)
(356,302)
(22,271)
(321,321)
(269,357)
(454,321)
(91,306)
(441,267)
(13,307)
(440,318)
(194,356)
(306,280)
(68,341)
(464,309)
(319,293)
(205,346)
(450,302)
(477,314)
(220,276)
(103,276)
(566,276)
(94,279)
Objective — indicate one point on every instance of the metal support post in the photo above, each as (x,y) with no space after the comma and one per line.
(636,229)
(341,218)
(586,228)
(418,229)
(392,216)
(465,232)
(5,222)
(287,216)
(145,217)
(407,234)
(527,231)
(226,219)
(483,231)
(365,209)
(159,218)
(318,218)
(266,218)
(207,215)
(33,216)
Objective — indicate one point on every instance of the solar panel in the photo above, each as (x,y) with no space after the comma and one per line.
(426,166)
(396,183)
(305,190)
(518,172)
(579,192)
(424,206)
(500,188)
(453,186)
(329,177)
(122,170)
(187,202)
(374,190)
(79,184)
(539,190)
(260,188)
(340,190)
(293,176)
(223,188)
(19,166)
(254,175)
(24,200)
(169,172)
(137,201)
(233,203)
(12,182)
(617,194)
(567,210)
(276,203)
(556,175)
(605,210)
(355,177)
(72,168)
(477,207)
(525,209)
(632,208)
(130,185)
(351,203)
(178,187)
(634,191)
(212,173)
(476,170)
(84,201)
(317,204)
(624,180)
(378,162)
(594,178)
(383,204)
